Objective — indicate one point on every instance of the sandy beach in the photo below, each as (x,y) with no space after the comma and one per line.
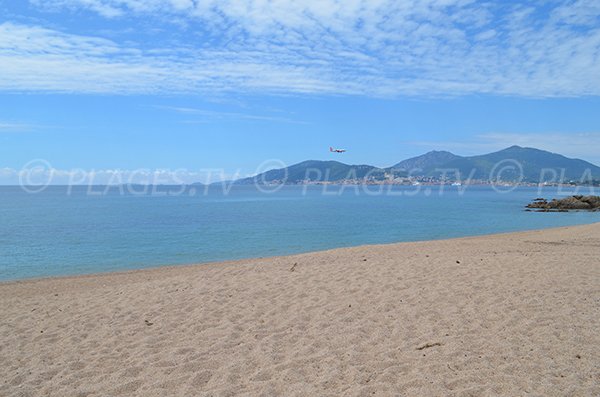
(503,315)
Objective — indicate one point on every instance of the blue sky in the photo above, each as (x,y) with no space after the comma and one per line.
(182,84)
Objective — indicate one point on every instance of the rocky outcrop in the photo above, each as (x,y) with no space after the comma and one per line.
(578,203)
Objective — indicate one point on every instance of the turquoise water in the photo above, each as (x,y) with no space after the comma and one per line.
(58,233)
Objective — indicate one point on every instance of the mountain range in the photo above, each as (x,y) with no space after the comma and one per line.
(511,164)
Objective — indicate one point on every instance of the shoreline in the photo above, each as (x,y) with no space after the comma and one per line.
(503,314)
(243,261)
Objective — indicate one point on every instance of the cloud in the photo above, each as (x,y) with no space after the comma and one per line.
(11,127)
(16,127)
(207,115)
(579,12)
(39,59)
(378,48)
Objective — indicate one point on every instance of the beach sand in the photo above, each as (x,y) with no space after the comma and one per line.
(503,315)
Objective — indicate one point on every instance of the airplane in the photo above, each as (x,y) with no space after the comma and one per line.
(332,150)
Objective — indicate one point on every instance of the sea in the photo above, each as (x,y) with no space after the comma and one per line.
(62,230)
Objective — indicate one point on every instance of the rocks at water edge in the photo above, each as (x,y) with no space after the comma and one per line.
(579,203)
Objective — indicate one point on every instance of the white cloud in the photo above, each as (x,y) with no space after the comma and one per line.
(206,115)
(378,48)
(15,127)
(11,127)
(579,12)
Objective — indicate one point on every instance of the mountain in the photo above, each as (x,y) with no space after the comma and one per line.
(315,171)
(426,162)
(533,164)
(512,164)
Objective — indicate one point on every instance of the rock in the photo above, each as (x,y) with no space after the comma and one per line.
(572,203)
(577,202)
(593,201)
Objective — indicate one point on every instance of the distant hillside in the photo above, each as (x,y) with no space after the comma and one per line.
(532,161)
(427,162)
(315,171)
(505,165)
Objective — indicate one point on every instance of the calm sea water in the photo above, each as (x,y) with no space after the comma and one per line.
(54,233)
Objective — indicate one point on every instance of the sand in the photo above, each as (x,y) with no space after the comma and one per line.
(504,315)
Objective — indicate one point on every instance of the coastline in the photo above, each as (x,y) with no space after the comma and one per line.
(505,314)
(248,260)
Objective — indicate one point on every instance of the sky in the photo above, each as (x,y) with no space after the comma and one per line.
(239,86)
